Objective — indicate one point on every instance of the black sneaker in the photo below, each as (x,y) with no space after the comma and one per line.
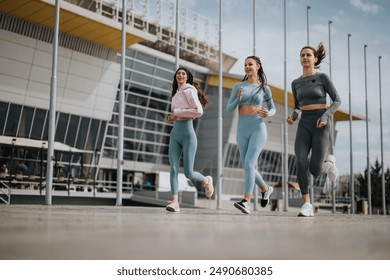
(265,196)
(244,206)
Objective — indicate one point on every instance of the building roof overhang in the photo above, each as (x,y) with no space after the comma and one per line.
(76,21)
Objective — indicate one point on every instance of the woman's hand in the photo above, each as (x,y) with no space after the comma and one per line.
(170,118)
(239,93)
(289,120)
(320,123)
(262,112)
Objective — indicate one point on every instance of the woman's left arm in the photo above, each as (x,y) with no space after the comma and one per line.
(332,92)
(194,109)
(269,101)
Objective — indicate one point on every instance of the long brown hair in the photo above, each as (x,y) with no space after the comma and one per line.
(203,98)
(319,53)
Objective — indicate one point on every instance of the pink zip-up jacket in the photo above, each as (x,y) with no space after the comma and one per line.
(185,103)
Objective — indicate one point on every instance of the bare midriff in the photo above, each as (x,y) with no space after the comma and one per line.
(182,119)
(245,110)
(313,107)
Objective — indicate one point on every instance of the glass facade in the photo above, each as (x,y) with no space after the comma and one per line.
(85,134)
(148,85)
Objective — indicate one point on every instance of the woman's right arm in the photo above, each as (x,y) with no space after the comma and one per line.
(297,111)
(233,101)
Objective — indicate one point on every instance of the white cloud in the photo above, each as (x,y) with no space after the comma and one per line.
(365,7)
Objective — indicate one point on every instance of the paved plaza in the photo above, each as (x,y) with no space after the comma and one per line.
(62,232)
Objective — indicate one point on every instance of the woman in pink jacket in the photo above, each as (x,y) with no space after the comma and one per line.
(188,102)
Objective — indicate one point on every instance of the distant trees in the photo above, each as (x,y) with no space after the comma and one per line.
(376,186)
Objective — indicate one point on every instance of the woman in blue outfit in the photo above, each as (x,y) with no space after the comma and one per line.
(248,96)
(312,140)
(188,102)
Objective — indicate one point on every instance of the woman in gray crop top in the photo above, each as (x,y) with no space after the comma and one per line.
(313,133)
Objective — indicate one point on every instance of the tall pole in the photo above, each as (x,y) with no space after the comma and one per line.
(285,140)
(333,127)
(254,27)
(330,49)
(177,43)
(308,24)
(255,191)
(52,111)
(308,43)
(119,176)
(381,126)
(351,177)
(367,134)
(220,81)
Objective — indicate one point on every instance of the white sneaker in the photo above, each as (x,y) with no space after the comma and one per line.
(244,206)
(172,206)
(265,196)
(306,210)
(330,168)
(209,187)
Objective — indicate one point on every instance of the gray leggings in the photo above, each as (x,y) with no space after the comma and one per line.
(182,141)
(310,138)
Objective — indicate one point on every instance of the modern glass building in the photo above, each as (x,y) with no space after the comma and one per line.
(87,110)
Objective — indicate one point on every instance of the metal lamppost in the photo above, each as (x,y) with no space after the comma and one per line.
(351,176)
(381,126)
(52,111)
(285,130)
(119,174)
(220,81)
(367,135)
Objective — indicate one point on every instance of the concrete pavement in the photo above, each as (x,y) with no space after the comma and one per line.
(62,232)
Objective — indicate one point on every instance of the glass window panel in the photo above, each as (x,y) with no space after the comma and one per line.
(167,65)
(13,120)
(130,52)
(137,99)
(166,75)
(61,127)
(3,112)
(128,156)
(82,133)
(161,95)
(129,133)
(129,64)
(130,122)
(38,124)
(102,131)
(145,58)
(141,89)
(153,115)
(143,79)
(25,122)
(144,68)
(92,135)
(72,130)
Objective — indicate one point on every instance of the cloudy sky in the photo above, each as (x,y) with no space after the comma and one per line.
(368,22)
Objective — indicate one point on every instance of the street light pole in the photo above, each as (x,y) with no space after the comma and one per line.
(351,176)
(381,126)
(367,135)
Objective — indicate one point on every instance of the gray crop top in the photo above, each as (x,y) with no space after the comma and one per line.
(313,90)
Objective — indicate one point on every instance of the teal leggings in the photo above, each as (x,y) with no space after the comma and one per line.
(251,138)
(182,141)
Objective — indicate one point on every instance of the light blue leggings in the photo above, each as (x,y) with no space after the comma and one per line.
(251,138)
(183,141)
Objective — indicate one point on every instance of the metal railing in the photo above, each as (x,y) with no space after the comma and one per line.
(193,47)
(5,193)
